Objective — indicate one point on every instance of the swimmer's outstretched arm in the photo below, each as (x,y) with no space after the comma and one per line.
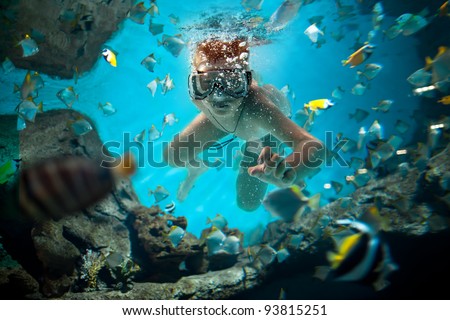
(308,152)
(199,135)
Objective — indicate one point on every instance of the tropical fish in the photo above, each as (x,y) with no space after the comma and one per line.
(359,115)
(67,96)
(110,56)
(107,108)
(337,93)
(170,207)
(313,32)
(59,186)
(168,119)
(359,56)
(420,78)
(440,65)
(445,100)
(359,89)
(252,4)
(282,255)
(376,130)
(371,70)
(81,126)
(218,221)
(361,138)
(319,104)
(287,203)
(7,65)
(357,163)
(383,105)
(266,255)
(153,133)
(232,245)
(153,10)
(349,145)
(175,235)
(160,193)
(443,10)
(7,171)
(360,256)
(337,187)
(316,20)
(410,24)
(401,126)
(215,241)
(27,109)
(150,61)
(393,31)
(173,44)
(30,85)
(29,46)
(153,85)
(284,14)
(137,13)
(140,137)
(155,28)
(167,84)
(174,19)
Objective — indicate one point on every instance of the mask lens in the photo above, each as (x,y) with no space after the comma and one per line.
(234,83)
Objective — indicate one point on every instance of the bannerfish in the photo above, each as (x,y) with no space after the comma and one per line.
(287,203)
(170,207)
(319,104)
(359,56)
(155,28)
(59,186)
(284,14)
(29,46)
(173,44)
(107,108)
(110,56)
(150,61)
(67,96)
(360,256)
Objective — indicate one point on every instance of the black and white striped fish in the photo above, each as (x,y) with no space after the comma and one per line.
(360,256)
(60,186)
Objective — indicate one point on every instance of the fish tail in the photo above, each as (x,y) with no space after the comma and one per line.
(159,43)
(344,62)
(40,107)
(127,165)
(428,63)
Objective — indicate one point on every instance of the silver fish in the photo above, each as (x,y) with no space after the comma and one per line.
(173,44)
(285,13)
(67,96)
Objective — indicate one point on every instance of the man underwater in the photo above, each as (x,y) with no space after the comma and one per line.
(230,102)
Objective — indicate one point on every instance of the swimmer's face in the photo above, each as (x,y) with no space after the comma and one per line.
(218,102)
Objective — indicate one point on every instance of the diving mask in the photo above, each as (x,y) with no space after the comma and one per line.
(234,83)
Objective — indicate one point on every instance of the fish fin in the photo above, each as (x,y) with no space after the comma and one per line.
(159,43)
(314,201)
(428,63)
(344,62)
(16,88)
(40,107)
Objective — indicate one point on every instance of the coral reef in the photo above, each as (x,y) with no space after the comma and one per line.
(119,249)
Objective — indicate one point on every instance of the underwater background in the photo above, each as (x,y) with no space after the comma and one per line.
(286,58)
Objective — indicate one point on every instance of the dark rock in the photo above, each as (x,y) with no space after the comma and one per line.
(64,41)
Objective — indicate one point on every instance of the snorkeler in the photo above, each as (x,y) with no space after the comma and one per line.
(230,102)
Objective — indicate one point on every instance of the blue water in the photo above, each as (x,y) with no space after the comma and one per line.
(312,73)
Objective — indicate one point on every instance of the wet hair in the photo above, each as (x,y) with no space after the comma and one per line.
(214,50)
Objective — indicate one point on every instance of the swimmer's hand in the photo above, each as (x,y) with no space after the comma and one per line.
(272,168)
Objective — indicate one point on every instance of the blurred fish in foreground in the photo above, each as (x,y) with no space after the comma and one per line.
(56,187)
(285,13)
(360,253)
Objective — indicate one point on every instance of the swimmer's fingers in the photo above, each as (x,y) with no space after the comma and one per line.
(256,171)
(280,169)
(265,155)
(289,177)
(272,164)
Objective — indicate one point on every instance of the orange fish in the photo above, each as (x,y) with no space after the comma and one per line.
(443,10)
(445,100)
(359,56)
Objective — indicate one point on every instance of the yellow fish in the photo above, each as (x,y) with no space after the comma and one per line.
(110,56)
(445,100)
(319,104)
(359,56)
